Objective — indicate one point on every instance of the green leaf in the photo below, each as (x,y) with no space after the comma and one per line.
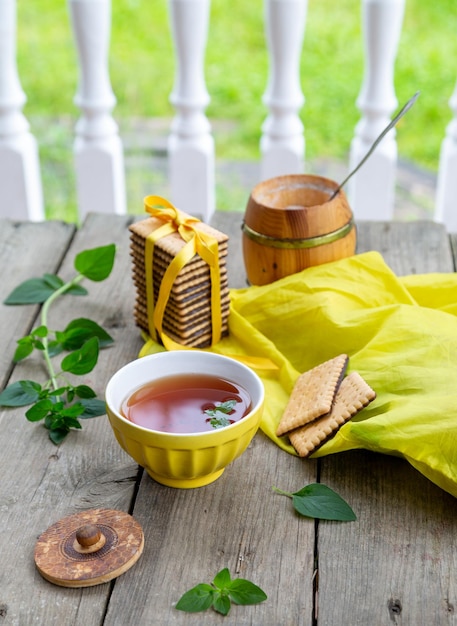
(23,350)
(76,290)
(20,393)
(32,291)
(244,592)
(71,422)
(93,407)
(41,331)
(72,411)
(25,340)
(82,361)
(53,281)
(96,264)
(83,391)
(222,579)
(56,283)
(54,348)
(219,422)
(221,603)
(79,331)
(51,421)
(39,410)
(197,599)
(224,407)
(321,502)
(57,435)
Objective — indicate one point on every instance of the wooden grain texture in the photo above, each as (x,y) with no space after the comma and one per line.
(42,483)
(396,565)
(230,223)
(407,247)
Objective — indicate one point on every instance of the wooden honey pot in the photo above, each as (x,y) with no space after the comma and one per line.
(290,224)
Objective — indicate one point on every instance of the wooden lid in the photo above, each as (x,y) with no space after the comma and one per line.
(89,548)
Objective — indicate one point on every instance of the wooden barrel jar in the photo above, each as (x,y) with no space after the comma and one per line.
(290,224)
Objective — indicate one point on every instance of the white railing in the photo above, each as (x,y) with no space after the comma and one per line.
(98,151)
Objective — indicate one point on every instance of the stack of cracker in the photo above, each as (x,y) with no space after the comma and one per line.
(188,314)
(321,401)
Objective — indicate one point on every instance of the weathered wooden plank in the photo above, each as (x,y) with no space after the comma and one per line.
(42,483)
(396,564)
(26,251)
(407,247)
(230,223)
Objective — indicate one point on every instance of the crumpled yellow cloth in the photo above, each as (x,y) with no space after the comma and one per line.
(400,334)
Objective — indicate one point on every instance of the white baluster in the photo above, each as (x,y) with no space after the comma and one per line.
(190,144)
(21,194)
(372,190)
(99,158)
(446,206)
(283,144)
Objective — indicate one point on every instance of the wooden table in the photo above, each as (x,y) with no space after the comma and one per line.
(397,564)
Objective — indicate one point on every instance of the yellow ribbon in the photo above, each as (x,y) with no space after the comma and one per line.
(197,242)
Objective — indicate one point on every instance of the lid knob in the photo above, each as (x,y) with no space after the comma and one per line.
(89,539)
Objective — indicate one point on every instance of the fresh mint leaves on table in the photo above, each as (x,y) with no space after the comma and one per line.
(58,402)
(321,502)
(220,594)
(219,413)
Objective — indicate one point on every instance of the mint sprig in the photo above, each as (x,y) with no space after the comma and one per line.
(219,412)
(320,502)
(220,594)
(57,402)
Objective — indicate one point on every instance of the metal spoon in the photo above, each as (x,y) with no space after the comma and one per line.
(391,124)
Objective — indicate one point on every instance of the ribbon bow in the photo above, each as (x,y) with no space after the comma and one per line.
(197,242)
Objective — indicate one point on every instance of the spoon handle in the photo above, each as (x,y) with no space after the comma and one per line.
(391,124)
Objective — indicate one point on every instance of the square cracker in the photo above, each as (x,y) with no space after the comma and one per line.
(353,395)
(313,394)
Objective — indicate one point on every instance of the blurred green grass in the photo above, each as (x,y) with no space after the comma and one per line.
(142,69)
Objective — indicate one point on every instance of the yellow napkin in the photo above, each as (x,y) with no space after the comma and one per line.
(400,335)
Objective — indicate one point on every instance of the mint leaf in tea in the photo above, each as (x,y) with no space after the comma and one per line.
(187,403)
(219,413)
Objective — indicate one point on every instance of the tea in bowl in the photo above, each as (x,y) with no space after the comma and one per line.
(184,415)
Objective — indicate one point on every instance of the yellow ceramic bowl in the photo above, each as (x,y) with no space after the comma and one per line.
(191,459)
